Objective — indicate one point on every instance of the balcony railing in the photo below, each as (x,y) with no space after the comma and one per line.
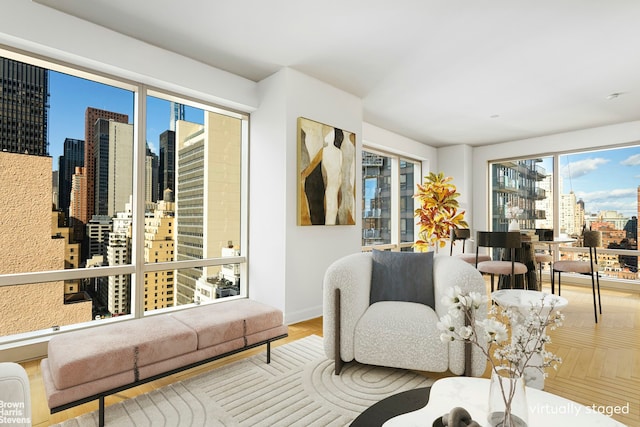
(612,274)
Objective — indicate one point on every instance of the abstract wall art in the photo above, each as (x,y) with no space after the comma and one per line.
(326,180)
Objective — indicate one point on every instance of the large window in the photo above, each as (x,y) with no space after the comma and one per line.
(388,185)
(570,192)
(600,190)
(108,212)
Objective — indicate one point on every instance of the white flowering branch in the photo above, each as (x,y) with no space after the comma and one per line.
(528,336)
(513,212)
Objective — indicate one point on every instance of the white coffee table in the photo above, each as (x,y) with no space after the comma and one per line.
(545,409)
(522,300)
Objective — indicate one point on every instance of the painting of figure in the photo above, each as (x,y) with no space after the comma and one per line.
(326,166)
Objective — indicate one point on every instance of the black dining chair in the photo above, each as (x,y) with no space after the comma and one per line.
(591,240)
(507,240)
(464,234)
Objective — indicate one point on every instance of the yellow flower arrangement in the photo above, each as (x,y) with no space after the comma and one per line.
(438,211)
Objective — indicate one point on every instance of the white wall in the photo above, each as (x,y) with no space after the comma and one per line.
(268,194)
(456,161)
(600,137)
(287,261)
(382,139)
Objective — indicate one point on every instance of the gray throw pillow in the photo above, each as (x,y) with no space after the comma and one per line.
(402,276)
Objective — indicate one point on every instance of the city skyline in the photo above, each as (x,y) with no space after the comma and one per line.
(605,180)
(70,96)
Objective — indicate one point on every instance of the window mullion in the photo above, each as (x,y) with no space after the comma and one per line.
(556,194)
(395,202)
(137,241)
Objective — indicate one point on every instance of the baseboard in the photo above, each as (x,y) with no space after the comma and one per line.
(302,315)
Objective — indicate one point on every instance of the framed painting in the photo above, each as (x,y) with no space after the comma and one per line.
(326,174)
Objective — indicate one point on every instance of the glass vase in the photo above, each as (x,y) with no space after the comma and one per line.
(507,399)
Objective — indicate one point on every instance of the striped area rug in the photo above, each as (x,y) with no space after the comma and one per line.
(298,388)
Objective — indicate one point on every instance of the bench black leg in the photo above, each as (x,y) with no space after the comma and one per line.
(268,351)
(101,411)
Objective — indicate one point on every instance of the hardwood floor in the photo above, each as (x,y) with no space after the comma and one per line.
(601,363)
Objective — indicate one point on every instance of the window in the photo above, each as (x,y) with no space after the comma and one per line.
(600,190)
(74,133)
(388,185)
(570,192)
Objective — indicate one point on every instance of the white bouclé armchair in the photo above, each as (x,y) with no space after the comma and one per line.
(396,334)
(15,395)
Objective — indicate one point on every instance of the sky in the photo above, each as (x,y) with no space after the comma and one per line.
(70,96)
(604,180)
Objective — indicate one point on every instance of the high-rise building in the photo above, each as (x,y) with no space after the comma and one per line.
(570,215)
(518,183)
(97,234)
(77,202)
(177,113)
(90,117)
(118,290)
(55,191)
(60,231)
(72,256)
(159,247)
(631,229)
(151,176)
(72,157)
(23,108)
(376,214)
(376,209)
(167,166)
(544,207)
(190,222)
(226,284)
(28,246)
(207,156)
(113,155)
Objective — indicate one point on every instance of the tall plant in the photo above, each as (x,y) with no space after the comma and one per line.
(438,212)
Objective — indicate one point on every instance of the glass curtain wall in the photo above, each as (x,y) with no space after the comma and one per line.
(527,186)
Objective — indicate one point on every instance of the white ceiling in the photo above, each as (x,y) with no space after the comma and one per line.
(438,71)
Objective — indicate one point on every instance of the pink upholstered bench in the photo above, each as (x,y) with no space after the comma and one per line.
(90,364)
